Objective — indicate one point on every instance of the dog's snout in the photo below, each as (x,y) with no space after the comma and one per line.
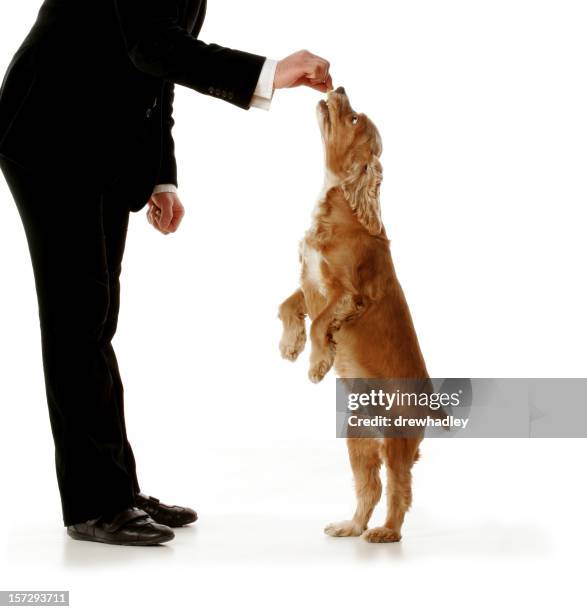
(340,90)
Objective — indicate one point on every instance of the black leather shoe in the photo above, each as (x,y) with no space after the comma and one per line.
(172,516)
(131,527)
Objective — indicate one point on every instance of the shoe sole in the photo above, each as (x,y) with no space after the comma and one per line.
(154,542)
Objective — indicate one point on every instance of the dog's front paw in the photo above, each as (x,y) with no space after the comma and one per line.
(320,364)
(292,343)
(344,529)
(380,535)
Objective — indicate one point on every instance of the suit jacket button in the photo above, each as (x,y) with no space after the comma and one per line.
(218,92)
(211,90)
(148,113)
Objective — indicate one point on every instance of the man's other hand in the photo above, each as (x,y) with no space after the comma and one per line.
(303,68)
(165,212)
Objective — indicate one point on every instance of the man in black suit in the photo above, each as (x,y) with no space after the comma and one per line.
(86,137)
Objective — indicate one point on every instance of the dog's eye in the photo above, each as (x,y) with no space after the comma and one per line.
(355,119)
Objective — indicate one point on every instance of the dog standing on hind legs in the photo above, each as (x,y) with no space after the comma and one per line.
(361,323)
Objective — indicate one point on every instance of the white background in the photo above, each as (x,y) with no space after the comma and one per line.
(482,109)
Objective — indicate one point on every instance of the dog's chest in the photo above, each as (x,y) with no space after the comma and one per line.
(312,261)
(311,257)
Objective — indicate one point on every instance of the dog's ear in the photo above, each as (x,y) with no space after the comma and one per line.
(361,190)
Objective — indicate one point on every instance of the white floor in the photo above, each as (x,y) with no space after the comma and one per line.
(484,532)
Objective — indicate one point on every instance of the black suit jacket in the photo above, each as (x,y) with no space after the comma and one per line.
(89,94)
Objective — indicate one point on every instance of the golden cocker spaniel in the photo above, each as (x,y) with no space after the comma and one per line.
(361,322)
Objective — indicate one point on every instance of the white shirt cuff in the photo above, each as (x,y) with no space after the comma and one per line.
(166,188)
(264,91)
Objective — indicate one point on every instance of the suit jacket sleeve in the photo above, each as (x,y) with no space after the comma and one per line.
(158,45)
(168,169)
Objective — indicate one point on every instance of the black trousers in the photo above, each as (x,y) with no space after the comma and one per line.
(76,241)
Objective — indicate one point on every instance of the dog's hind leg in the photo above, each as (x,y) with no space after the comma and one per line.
(366,464)
(292,314)
(399,455)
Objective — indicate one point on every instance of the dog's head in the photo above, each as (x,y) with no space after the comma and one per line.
(352,147)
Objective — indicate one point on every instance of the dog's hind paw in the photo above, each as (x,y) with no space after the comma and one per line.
(292,344)
(344,529)
(380,535)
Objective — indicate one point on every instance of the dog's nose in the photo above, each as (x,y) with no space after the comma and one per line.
(340,90)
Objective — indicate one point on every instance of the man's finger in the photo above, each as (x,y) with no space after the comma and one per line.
(321,87)
(159,228)
(177,218)
(319,71)
(154,216)
(166,215)
(174,224)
